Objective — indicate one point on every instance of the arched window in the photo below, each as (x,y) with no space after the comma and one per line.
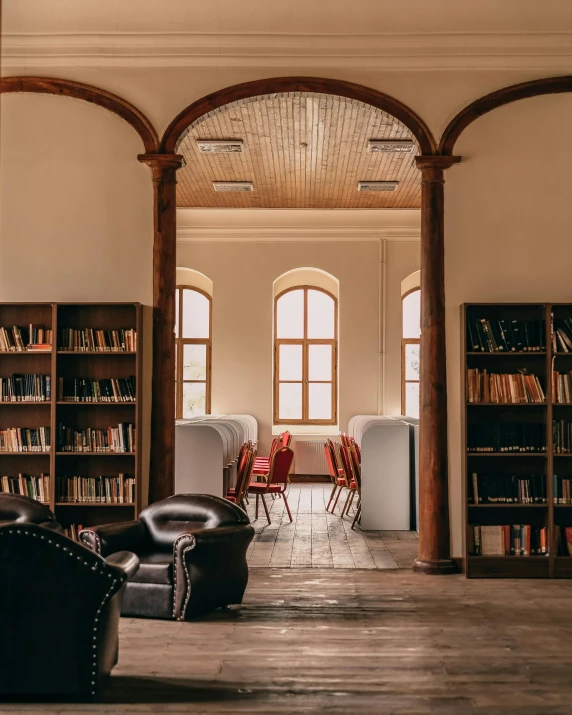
(305,356)
(410,339)
(193,352)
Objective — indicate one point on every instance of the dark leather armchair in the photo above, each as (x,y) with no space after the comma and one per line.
(60,607)
(21,509)
(192,549)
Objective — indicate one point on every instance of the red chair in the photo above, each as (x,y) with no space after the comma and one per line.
(336,472)
(262,464)
(277,480)
(351,479)
(237,493)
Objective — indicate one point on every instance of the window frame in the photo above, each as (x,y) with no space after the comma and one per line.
(305,342)
(180,342)
(404,343)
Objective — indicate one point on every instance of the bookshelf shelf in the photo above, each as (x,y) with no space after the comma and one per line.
(124,505)
(96,454)
(94,365)
(532,527)
(96,352)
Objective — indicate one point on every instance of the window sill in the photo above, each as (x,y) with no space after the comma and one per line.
(307,430)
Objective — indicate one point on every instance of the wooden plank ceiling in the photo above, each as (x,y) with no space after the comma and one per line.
(300,150)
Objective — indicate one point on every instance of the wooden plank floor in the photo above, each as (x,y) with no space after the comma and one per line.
(318,539)
(352,641)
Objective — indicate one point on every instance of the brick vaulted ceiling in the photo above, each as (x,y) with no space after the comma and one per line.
(300,150)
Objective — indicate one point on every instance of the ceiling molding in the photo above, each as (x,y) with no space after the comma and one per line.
(397,51)
(297,225)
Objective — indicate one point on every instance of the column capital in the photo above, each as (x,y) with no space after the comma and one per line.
(163,166)
(436,162)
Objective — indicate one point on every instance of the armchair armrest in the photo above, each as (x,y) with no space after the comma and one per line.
(208,561)
(125,561)
(107,539)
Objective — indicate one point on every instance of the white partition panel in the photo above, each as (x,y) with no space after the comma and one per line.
(385,476)
(207,445)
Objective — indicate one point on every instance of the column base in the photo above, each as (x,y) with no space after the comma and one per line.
(436,567)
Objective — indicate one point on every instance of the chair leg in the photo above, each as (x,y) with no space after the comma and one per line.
(335,503)
(358,515)
(349,496)
(331,496)
(351,502)
(256,514)
(287,506)
(265,507)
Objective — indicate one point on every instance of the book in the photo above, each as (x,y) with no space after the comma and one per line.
(508,540)
(20,338)
(25,388)
(25,439)
(99,490)
(35,487)
(505,388)
(507,489)
(78,389)
(506,437)
(120,438)
(97,340)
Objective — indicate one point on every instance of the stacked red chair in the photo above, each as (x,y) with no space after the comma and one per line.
(277,480)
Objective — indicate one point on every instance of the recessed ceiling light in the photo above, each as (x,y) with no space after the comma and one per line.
(233,186)
(392,146)
(377,185)
(219,146)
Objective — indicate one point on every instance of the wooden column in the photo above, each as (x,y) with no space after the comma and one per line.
(162,468)
(434,533)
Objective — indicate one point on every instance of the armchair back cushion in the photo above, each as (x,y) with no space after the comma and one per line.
(21,509)
(60,605)
(166,520)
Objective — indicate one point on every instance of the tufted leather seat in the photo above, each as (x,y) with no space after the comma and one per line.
(192,549)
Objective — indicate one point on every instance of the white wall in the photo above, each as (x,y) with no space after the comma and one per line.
(76,220)
(243,274)
(508,213)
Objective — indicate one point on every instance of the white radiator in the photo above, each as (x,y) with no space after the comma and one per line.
(309,458)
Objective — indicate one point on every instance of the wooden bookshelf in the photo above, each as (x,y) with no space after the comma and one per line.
(92,365)
(540,363)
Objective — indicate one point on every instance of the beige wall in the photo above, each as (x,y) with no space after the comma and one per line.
(243,274)
(507,229)
(76,218)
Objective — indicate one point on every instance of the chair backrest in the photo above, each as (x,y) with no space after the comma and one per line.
(345,439)
(280,466)
(355,465)
(241,460)
(167,519)
(328,452)
(335,459)
(20,509)
(346,461)
(276,442)
(245,476)
(286,439)
(358,450)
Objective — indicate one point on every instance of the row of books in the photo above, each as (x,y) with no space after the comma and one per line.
(561,489)
(493,336)
(99,490)
(111,439)
(505,388)
(562,436)
(26,388)
(562,336)
(95,340)
(562,387)
(507,489)
(20,339)
(29,486)
(25,439)
(508,540)
(505,437)
(79,389)
(72,531)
